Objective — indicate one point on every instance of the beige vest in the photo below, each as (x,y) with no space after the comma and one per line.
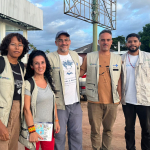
(92,77)
(58,76)
(24,128)
(142,78)
(7,92)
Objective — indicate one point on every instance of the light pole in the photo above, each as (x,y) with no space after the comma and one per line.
(95,20)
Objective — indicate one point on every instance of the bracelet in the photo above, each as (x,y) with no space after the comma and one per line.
(56,120)
(31,129)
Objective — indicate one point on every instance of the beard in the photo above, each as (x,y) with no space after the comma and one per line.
(64,49)
(133,50)
(105,48)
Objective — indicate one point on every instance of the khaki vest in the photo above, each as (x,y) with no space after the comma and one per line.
(142,78)
(58,76)
(24,127)
(92,77)
(7,92)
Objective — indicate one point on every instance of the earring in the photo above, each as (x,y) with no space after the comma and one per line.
(32,68)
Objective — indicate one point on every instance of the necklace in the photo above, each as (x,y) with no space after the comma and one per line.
(130,62)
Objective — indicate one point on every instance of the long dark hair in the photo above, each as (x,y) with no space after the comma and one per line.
(7,39)
(47,73)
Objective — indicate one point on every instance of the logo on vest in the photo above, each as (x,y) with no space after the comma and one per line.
(115,68)
(92,64)
(4,78)
(115,65)
(56,67)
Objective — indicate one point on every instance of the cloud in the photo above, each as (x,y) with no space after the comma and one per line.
(38,5)
(119,6)
(132,15)
(55,20)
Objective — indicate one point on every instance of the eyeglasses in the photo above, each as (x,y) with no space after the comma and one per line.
(61,40)
(14,45)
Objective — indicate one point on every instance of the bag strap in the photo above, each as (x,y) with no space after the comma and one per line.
(22,65)
(32,84)
(2,64)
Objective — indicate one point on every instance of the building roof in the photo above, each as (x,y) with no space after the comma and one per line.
(22,13)
(88,48)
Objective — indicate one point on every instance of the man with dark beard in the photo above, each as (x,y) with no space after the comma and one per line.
(136,92)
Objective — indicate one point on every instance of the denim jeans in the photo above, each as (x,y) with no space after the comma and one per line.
(72,118)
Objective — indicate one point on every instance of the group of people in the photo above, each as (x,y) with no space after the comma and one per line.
(47,91)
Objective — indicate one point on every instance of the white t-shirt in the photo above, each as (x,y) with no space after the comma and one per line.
(130,80)
(70,96)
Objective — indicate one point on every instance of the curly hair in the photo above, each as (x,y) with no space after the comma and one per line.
(47,73)
(7,39)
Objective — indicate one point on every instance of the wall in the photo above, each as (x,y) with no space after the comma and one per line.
(24,11)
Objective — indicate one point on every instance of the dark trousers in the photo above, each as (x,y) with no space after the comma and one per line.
(143,113)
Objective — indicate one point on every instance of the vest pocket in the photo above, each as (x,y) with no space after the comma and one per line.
(56,79)
(6,90)
(90,89)
(146,72)
(24,129)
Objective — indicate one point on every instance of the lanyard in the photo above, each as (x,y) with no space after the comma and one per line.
(130,62)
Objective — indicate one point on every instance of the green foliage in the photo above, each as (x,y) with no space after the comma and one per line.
(145,38)
(115,43)
(32,47)
(47,51)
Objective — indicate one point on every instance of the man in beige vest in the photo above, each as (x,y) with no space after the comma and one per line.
(136,92)
(65,73)
(103,90)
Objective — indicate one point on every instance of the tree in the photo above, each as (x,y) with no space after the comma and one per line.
(47,51)
(122,43)
(32,47)
(145,38)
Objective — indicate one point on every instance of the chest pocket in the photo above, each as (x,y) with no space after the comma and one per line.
(56,76)
(57,82)
(91,69)
(6,89)
(146,69)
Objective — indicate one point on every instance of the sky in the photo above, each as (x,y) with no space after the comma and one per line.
(132,15)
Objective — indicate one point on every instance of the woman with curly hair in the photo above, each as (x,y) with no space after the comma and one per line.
(39,104)
(13,47)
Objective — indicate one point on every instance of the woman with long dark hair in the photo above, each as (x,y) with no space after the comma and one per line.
(39,104)
(13,47)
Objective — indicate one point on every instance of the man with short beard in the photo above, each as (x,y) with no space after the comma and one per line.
(136,92)
(66,70)
(103,90)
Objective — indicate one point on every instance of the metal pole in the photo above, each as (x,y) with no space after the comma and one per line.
(118,47)
(2,30)
(94,36)
(95,20)
(25,58)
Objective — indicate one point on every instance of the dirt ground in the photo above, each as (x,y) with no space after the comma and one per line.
(118,141)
